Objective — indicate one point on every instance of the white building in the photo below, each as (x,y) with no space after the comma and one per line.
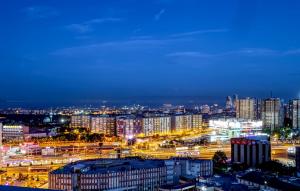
(156,125)
(225,129)
(181,122)
(14,132)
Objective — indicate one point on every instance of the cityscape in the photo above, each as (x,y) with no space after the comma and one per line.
(159,95)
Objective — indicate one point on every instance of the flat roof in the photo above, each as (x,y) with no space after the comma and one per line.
(109,165)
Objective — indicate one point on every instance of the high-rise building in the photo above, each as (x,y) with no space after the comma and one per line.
(235,98)
(181,122)
(156,125)
(103,124)
(128,126)
(251,150)
(229,103)
(272,113)
(294,112)
(196,121)
(245,108)
(80,121)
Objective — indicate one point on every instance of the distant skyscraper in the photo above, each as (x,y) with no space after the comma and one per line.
(294,112)
(229,104)
(235,98)
(272,113)
(245,108)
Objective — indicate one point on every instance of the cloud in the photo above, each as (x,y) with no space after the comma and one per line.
(240,52)
(88,26)
(188,54)
(40,12)
(199,32)
(158,15)
(127,45)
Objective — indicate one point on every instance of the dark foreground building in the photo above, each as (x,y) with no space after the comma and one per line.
(251,151)
(130,174)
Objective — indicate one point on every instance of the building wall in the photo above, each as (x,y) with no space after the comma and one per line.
(294,113)
(245,108)
(80,121)
(272,113)
(103,124)
(142,179)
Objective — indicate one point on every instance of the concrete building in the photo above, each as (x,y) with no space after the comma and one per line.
(294,113)
(13,132)
(128,126)
(245,108)
(181,122)
(252,150)
(272,113)
(103,124)
(80,121)
(131,174)
(196,121)
(156,125)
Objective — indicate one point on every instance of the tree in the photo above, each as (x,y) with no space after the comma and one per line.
(220,161)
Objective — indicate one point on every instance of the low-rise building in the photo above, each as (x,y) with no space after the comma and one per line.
(127,173)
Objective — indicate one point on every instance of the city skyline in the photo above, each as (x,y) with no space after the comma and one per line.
(52,52)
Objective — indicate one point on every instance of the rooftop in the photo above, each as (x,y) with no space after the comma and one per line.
(108,165)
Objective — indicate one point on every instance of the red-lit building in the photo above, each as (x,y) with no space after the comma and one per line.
(252,150)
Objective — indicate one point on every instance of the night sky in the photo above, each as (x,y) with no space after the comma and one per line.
(67,50)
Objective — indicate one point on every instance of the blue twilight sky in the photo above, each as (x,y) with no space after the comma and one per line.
(62,50)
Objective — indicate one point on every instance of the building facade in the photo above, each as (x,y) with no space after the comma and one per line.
(251,151)
(80,121)
(196,121)
(181,122)
(14,132)
(103,124)
(272,114)
(156,125)
(131,174)
(245,108)
(294,113)
(128,127)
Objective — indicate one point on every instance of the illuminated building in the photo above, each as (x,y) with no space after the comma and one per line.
(80,121)
(229,104)
(245,108)
(156,125)
(224,129)
(294,113)
(103,124)
(127,174)
(205,109)
(128,126)
(272,113)
(252,150)
(110,174)
(14,132)
(181,122)
(196,121)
